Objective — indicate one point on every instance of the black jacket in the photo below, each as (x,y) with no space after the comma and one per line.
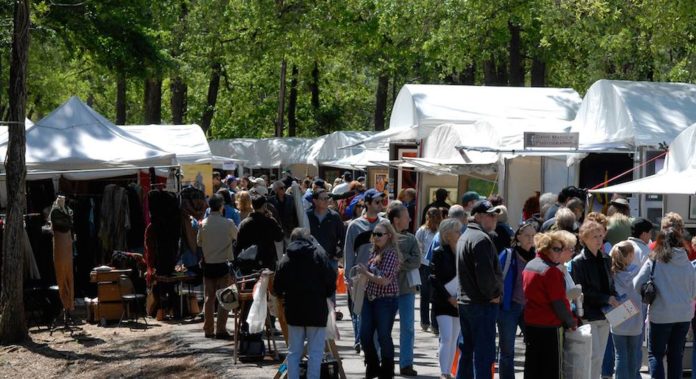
(442,270)
(480,276)
(330,232)
(594,274)
(286,213)
(304,280)
(262,231)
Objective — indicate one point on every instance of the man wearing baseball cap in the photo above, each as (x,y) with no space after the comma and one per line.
(480,290)
(357,245)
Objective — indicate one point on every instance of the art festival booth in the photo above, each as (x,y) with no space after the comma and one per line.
(460,112)
(636,121)
(103,173)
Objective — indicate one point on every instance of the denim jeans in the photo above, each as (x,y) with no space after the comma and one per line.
(666,339)
(507,331)
(426,315)
(355,320)
(477,323)
(693,350)
(378,315)
(608,361)
(315,348)
(627,366)
(407,333)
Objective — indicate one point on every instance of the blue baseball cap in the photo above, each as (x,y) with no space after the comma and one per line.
(372,194)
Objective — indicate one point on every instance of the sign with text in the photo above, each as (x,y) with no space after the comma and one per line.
(540,139)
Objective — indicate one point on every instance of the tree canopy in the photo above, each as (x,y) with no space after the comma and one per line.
(338,65)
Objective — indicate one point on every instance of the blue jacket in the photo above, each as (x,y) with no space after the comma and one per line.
(508,263)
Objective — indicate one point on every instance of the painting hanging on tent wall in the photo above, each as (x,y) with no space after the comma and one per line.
(692,207)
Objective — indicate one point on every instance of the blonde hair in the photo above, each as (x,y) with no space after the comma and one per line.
(544,241)
(619,256)
(244,202)
(394,240)
(569,239)
(672,220)
(597,217)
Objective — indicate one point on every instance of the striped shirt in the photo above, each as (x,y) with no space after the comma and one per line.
(388,267)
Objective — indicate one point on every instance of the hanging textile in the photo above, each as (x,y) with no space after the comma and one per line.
(114,221)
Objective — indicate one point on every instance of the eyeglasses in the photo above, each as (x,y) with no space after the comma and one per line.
(557,249)
(378,234)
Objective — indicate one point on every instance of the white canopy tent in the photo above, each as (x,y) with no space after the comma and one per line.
(328,147)
(265,152)
(188,142)
(78,143)
(678,176)
(362,160)
(627,115)
(420,108)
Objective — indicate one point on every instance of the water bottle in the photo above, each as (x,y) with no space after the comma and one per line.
(579,311)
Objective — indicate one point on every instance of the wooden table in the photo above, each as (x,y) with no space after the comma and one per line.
(178,280)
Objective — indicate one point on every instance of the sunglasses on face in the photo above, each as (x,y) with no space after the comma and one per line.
(557,249)
(378,234)
(323,198)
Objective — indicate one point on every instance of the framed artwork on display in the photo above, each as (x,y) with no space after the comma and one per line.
(380,180)
(452,194)
(692,207)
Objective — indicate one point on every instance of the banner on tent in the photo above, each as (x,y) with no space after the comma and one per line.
(539,139)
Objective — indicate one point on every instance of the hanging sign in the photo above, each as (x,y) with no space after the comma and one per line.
(561,140)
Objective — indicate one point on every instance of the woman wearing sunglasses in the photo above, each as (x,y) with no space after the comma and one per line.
(547,310)
(381,301)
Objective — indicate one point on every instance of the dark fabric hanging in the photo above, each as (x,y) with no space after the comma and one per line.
(136,233)
(162,235)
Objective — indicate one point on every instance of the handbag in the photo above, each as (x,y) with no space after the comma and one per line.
(648,290)
(413,277)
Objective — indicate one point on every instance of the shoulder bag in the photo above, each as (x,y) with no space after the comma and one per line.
(648,290)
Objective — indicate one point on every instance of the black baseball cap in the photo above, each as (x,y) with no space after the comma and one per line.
(484,206)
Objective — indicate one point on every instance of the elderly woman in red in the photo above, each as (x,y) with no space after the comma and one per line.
(547,310)
(381,301)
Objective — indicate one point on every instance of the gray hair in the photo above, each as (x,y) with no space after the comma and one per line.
(565,219)
(300,234)
(546,201)
(456,211)
(448,225)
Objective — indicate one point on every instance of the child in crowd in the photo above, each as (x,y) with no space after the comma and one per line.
(626,336)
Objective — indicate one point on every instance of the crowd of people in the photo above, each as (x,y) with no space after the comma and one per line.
(559,267)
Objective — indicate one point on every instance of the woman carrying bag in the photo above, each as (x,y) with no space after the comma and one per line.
(381,301)
(672,274)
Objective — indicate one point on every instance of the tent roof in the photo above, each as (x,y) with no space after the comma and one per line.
(366,158)
(265,152)
(75,137)
(188,142)
(432,105)
(327,147)
(678,176)
(627,114)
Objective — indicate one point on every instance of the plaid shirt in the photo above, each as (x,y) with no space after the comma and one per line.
(388,267)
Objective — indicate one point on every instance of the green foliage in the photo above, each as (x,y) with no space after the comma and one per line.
(78,47)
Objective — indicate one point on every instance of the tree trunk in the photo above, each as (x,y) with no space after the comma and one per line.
(314,87)
(280,118)
(121,97)
(178,102)
(538,72)
(381,101)
(153,101)
(13,326)
(502,77)
(468,77)
(292,104)
(213,89)
(515,56)
(490,76)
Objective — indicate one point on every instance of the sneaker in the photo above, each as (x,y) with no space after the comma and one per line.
(408,371)
(425,327)
(357,348)
(436,331)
